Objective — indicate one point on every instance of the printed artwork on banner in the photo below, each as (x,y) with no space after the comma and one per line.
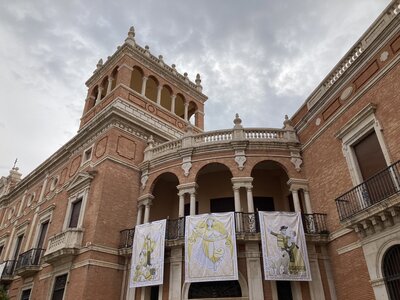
(284,246)
(2,266)
(210,248)
(147,266)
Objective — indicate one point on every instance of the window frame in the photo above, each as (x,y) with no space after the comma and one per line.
(74,198)
(85,159)
(362,124)
(53,282)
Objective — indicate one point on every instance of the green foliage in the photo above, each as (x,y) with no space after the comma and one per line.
(3,294)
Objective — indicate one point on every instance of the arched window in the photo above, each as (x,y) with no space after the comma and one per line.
(192,113)
(180,106)
(93,96)
(104,85)
(391,272)
(136,80)
(151,88)
(114,76)
(166,93)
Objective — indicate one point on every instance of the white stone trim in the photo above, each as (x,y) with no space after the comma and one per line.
(83,194)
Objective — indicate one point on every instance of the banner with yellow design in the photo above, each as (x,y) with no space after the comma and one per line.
(210,248)
(284,246)
(147,265)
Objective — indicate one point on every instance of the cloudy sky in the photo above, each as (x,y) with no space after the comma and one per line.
(260,58)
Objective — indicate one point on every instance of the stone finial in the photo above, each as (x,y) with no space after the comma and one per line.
(189,130)
(287,124)
(161,59)
(185,75)
(198,83)
(173,66)
(238,122)
(131,36)
(150,142)
(100,63)
(147,50)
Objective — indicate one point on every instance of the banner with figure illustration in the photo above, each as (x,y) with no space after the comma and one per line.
(210,248)
(284,246)
(147,266)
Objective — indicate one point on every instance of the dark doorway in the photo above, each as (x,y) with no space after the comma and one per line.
(220,205)
(215,289)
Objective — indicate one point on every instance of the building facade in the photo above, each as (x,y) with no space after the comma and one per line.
(141,154)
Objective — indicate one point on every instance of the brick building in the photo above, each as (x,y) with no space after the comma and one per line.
(66,229)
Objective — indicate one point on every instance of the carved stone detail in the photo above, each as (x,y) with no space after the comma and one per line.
(296,160)
(186,165)
(144,178)
(240,159)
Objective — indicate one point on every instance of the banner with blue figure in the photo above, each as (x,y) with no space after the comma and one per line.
(210,248)
(284,246)
(147,265)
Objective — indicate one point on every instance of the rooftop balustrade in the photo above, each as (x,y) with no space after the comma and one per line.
(371,193)
(246,225)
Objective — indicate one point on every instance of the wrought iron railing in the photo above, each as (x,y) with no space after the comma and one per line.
(245,223)
(29,258)
(9,268)
(372,191)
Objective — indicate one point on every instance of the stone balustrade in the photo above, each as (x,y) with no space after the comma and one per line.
(68,239)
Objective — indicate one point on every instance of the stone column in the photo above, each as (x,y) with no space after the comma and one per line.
(175,274)
(186,111)
(254,274)
(307,202)
(159,89)
(173,97)
(42,192)
(181,212)
(236,196)
(109,86)
(144,81)
(250,203)
(99,91)
(139,215)
(146,201)
(296,201)
(192,203)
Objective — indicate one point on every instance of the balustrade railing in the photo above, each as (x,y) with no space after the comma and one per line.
(29,258)
(9,268)
(371,192)
(245,223)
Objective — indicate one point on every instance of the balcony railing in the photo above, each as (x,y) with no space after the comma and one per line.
(8,271)
(245,224)
(64,244)
(29,258)
(371,192)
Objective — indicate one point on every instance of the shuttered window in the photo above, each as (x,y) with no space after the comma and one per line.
(75,212)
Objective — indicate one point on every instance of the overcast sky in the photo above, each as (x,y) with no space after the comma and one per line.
(260,58)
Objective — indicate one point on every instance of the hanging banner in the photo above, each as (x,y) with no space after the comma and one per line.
(2,266)
(284,246)
(147,266)
(210,248)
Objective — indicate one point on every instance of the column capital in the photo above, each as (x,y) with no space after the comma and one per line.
(239,182)
(189,188)
(297,184)
(146,199)
(145,78)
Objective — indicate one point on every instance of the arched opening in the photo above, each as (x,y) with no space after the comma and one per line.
(166,201)
(104,85)
(166,93)
(215,289)
(270,189)
(180,105)
(136,79)
(151,88)
(114,76)
(214,192)
(391,272)
(93,96)
(192,113)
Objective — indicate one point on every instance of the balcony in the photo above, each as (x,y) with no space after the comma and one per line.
(28,263)
(64,245)
(373,204)
(247,228)
(8,272)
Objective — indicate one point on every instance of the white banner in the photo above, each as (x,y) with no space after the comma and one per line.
(210,248)
(284,246)
(2,266)
(147,266)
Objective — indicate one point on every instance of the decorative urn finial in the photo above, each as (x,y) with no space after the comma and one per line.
(237,121)
(131,36)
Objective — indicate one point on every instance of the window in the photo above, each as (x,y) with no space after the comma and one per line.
(42,234)
(222,205)
(59,287)
(26,294)
(87,155)
(75,213)
(363,145)
(17,248)
(187,209)
(391,271)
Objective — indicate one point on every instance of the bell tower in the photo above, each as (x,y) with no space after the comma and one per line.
(145,90)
